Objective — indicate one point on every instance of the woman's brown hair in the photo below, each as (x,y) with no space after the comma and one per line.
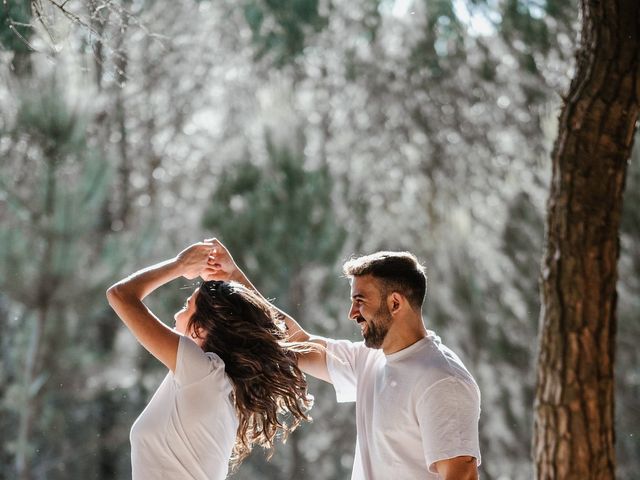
(269,388)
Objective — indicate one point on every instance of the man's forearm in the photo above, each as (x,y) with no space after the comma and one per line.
(239,277)
(294,331)
(458,468)
(312,360)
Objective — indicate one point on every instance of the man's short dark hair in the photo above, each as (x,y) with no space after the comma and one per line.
(398,272)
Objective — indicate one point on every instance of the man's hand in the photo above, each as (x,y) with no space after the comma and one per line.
(192,261)
(220,264)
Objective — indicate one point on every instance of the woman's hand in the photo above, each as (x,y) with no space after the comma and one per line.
(192,260)
(220,264)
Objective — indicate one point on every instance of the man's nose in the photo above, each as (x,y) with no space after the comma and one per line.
(353,312)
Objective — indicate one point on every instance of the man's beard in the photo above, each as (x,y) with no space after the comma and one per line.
(378,327)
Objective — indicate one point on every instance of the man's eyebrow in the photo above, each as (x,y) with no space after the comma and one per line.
(357,295)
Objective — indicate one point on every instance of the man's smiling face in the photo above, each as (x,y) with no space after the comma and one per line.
(369,309)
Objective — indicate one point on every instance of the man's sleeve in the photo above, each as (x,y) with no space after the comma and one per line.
(448,415)
(342,365)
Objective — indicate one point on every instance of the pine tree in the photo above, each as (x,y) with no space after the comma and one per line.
(54,263)
(574,407)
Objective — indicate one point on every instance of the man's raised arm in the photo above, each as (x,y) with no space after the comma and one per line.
(221,266)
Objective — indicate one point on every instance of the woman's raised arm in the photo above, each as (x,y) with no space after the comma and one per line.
(125,297)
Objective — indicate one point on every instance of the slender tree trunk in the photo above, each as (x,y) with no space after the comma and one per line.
(99,22)
(38,347)
(154,160)
(574,406)
(99,17)
(296,300)
(21,64)
(125,168)
(25,425)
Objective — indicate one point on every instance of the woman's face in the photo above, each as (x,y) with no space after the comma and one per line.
(183,315)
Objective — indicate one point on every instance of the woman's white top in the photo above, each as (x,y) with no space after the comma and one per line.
(188,429)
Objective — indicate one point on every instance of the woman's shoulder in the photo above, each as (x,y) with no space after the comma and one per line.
(193,364)
(214,358)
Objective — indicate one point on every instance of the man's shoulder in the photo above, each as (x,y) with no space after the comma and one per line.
(434,363)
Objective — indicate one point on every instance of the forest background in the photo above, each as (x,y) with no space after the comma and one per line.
(300,133)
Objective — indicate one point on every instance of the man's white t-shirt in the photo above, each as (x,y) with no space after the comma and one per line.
(413,407)
(188,429)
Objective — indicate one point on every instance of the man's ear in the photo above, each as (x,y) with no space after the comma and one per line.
(395,302)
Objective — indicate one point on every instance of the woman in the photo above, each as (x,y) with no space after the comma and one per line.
(231,373)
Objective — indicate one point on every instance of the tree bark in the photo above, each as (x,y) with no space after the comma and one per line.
(574,406)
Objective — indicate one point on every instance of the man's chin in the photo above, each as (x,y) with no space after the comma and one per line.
(370,343)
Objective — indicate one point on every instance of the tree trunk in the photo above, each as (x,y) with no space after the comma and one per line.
(23,464)
(21,64)
(38,351)
(126,167)
(296,296)
(574,406)
(99,17)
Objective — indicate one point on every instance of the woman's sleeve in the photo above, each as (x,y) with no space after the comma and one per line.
(193,364)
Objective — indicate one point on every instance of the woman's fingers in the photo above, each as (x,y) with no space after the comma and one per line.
(195,258)
(211,272)
(219,263)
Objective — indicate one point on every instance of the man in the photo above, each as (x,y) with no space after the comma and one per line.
(417,406)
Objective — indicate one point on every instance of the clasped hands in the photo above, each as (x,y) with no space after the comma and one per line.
(209,260)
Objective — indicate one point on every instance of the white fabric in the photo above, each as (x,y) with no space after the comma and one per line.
(413,407)
(188,429)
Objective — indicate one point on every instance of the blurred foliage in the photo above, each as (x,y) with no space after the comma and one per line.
(281,28)
(278,216)
(15,29)
(55,260)
(442,41)
(422,125)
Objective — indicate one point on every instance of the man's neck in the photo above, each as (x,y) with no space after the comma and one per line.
(403,335)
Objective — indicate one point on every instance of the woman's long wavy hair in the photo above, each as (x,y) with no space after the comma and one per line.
(269,388)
